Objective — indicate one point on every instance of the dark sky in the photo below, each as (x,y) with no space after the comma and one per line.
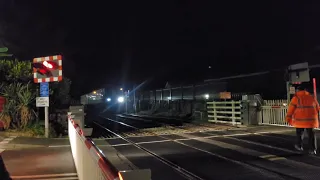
(118,42)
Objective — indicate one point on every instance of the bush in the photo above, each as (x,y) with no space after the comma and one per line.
(34,130)
(38,130)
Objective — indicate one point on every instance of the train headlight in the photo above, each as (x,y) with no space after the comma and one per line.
(120,99)
(108,99)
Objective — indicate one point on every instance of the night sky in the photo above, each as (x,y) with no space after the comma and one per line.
(125,42)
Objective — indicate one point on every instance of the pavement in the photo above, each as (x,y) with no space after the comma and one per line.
(263,152)
(38,158)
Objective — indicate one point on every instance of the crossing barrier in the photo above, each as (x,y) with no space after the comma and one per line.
(91,163)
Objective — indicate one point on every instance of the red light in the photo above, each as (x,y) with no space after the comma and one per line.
(47,64)
(42,71)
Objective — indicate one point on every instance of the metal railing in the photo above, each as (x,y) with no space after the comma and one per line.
(91,163)
(224,112)
(273,115)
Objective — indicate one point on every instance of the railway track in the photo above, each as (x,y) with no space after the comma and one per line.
(187,174)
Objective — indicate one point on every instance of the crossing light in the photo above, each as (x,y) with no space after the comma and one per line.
(47,69)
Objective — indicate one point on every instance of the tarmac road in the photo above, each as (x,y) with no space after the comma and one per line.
(38,158)
(237,155)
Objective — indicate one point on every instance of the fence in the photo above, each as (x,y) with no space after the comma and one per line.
(193,92)
(224,112)
(91,163)
(273,112)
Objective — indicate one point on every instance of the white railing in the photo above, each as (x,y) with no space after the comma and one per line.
(90,162)
(273,115)
(224,112)
(274,112)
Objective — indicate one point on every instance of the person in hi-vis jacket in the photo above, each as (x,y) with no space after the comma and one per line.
(303,114)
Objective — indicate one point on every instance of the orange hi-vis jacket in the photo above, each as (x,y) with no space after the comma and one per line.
(303,111)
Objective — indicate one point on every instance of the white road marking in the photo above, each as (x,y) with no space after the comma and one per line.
(57,146)
(63,175)
(6,141)
(127,144)
(191,138)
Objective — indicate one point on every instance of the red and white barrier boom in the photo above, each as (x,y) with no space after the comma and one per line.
(91,164)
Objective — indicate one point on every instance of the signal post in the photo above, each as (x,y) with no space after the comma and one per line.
(45,70)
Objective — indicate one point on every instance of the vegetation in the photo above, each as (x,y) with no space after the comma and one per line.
(16,85)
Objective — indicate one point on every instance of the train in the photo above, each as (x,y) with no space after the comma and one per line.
(105,100)
(108,96)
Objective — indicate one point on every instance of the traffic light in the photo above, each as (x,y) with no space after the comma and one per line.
(47,69)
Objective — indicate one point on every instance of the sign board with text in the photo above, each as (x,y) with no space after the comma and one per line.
(292,90)
(42,102)
(225,95)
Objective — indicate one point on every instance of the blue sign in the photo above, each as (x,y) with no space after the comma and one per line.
(44,89)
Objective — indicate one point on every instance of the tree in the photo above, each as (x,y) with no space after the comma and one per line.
(17,111)
(20,92)
(60,93)
(16,71)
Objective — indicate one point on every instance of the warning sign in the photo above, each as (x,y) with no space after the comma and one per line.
(225,95)
(292,90)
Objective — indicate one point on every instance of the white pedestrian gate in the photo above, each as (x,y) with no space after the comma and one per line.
(274,112)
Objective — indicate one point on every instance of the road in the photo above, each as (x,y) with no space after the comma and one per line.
(38,158)
(237,154)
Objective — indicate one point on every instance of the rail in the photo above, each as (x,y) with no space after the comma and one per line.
(182,171)
(91,163)
(224,112)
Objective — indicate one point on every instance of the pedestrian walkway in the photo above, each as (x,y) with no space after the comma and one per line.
(38,158)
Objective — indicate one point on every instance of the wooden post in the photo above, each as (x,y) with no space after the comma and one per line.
(233,112)
(214,105)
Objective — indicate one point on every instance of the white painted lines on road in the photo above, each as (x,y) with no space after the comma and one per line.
(127,144)
(186,139)
(58,146)
(6,141)
(272,157)
(64,176)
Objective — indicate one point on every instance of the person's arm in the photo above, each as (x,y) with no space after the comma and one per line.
(292,107)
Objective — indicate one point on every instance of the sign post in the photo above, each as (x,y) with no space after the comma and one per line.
(45,70)
(44,92)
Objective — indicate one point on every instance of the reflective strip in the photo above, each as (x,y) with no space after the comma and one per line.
(305,107)
(305,119)
(294,105)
